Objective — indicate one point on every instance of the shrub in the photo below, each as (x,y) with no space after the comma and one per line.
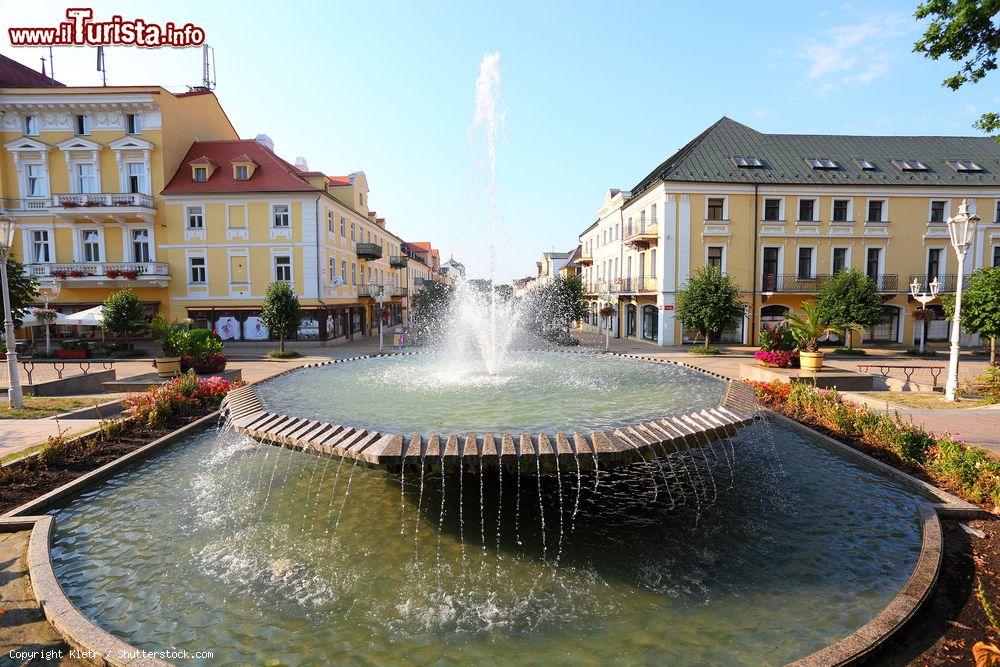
(54,451)
(559,336)
(915,445)
(703,349)
(283,354)
(201,350)
(777,338)
(915,352)
(988,384)
(778,358)
(181,396)
(850,351)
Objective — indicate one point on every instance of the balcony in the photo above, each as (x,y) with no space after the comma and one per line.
(640,285)
(948,283)
(399,291)
(369,251)
(103,274)
(796,284)
(641,234)
(92,207)
(585,259)
(398,261)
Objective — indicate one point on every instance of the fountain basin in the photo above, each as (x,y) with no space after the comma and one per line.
(626,442)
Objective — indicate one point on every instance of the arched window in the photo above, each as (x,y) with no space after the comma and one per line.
(650,320)
(630,319)
(772,315)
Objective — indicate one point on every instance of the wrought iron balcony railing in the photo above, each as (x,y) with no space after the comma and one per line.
(369,251)
(398,261)
(947,283)
(640,285)
(802,284)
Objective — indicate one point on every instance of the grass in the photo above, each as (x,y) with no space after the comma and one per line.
(287,354)
(39,407)
(703,349)
(850,351)
(924,401)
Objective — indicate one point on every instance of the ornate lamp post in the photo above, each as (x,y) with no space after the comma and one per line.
(381,296)
(605,296)
(48,294)
(924,298)
(961,228)
(14,396)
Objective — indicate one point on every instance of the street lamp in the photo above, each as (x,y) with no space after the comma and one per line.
(48,294)
(924,298)
(605,295)
(381,295)
(14,397)
(961,228)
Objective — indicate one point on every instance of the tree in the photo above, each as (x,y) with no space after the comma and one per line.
(963,30)
(124,315)
(280,312)
(569,300)
(980,306)
(431,306)
(850,301)
(709,302)
(23,290)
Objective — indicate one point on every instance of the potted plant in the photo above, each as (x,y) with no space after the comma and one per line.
(777,347)
(73,349)
(807,330)
(168,335)
(923,314)
(112,273)
(129,274)
(68,203)
(201,350)
(59,273)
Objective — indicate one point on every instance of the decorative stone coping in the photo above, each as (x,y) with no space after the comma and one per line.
(635,442)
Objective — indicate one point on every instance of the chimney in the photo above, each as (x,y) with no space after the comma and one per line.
(265,141)
(300,163)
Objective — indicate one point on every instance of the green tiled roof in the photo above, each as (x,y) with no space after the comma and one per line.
(708,159)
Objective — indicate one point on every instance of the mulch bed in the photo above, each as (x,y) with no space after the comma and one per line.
(29,479)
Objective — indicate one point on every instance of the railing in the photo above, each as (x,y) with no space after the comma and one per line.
(640,285)
(369,290)
(888,282)
(102,199)
(102,270)
(369,251)
(29,204)
(585,258)
(33,371)
(793,283)
(400,291)
(640,229)
(398,261)
(948,283)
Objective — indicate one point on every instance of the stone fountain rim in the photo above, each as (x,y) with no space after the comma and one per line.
(631,442)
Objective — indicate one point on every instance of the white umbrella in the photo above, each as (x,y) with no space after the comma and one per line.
(92,317)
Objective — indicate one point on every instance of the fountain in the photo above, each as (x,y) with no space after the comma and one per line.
(485,501)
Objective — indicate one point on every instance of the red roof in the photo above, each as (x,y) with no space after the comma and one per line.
(423,246)
(339,180)
(271,175)
(15,75)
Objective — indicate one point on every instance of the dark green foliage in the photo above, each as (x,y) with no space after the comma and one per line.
(124,315)
(850,301)
(281,312)
(710,302)
(431,310)
(23,290)
(980,306)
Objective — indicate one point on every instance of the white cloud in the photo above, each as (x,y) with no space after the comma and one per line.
(852,54)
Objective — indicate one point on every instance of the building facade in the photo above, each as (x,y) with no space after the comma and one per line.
(780,214)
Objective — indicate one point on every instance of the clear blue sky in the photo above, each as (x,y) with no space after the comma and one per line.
(596,94)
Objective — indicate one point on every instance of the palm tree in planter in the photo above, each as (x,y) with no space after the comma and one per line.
(807,330)
(168,336)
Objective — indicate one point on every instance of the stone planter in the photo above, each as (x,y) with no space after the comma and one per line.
(168,367)
(71,354)
(810,361)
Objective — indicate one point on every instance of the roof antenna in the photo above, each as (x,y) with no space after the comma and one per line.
(207,67)
(43,66)
(101,67)
(52,67)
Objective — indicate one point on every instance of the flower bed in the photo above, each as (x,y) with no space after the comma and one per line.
(969,472)
(182,396)
(775,358)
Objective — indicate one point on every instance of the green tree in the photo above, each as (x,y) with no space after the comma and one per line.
(124,315)
(569,300)
(431,305)
(710,302)
(965,31)
(850,301)
(980,306)
(280,312)
(23,290)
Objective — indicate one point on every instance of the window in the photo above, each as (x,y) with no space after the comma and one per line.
(361,199)
(90,239)
(353,232)
(872,262)
(37,182)
(31,126)
(772,209)
(748,162)
(841,210)
(354,273)
(996,255)
(283,268)
(875,210)
(839,259)
(933,263)
(807,209)
(200,174)
(137,177)
(140,245)
(133,123)
(964,165)
(343,223)
(770,267)
(822,163)
(332,269)
(910,165)
(197,270)
(195,217)
(329,221)
(242,172)
(937,211)
(650,318)
(83,124)
(716,208)
(715,256)
(86,178)
(805,263)
(40,252)
(343,270)
(652,262)
(280,215)
(865,165)
(652,213)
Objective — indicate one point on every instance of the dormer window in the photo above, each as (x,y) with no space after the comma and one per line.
(31,126)
(241,172)
(133,123)
(964,166)
(200,174)
(361,199)
(910,165)
(243,167)
(82,124)
(748,162)
(822,163)
(865,165)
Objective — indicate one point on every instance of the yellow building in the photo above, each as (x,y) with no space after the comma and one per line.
(239,217)
(81,170)
(780,214)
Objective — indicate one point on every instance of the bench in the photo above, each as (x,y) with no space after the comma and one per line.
(908,371)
